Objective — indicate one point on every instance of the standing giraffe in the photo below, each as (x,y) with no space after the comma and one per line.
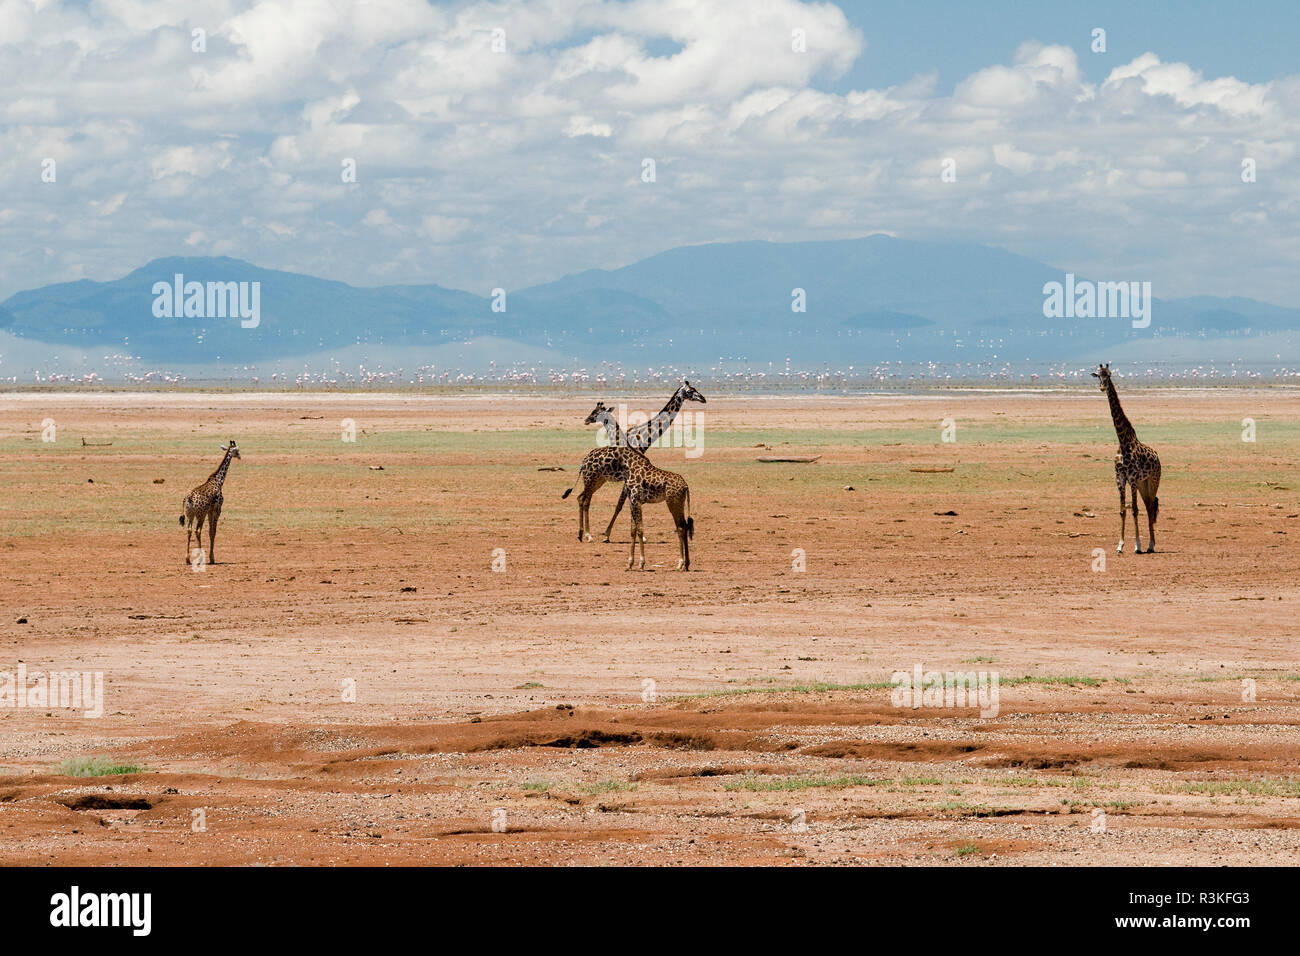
(205,502)
(644,435)
(643,484)
(1137,465)
(601,465)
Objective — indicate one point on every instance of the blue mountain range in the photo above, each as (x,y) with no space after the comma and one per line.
(845,301)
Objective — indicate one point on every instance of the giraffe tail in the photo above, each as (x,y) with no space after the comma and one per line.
(690,522)
(1155,508)
(566,494)
(182,521)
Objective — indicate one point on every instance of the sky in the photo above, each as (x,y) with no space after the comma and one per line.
(507,143)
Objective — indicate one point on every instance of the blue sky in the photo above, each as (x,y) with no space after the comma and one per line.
(482,164)
(1254,42)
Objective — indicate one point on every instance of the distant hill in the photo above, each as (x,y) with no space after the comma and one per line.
(865,301)
(298,314)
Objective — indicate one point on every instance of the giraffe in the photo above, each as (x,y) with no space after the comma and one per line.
(648,485)
(645,484)
(644,435)
(600,466)
(205,502)
(1137,465)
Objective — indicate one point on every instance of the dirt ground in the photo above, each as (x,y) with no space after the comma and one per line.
(740,713)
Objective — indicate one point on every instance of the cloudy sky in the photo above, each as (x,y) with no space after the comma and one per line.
(504,143)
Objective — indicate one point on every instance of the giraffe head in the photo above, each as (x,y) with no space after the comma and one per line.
(687,393)
(1102,375)
(599,414)
(231,448)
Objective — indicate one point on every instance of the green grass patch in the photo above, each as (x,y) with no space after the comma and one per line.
(813,688)
(606,786)
(1024,780)
(768,784)
(95,767)
(1049,680)
(1228,788)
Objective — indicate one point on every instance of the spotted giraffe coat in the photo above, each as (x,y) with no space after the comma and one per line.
(644,484)
(1137,467)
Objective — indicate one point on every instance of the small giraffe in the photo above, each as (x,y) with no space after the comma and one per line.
(205,502)
(644,435)
(1137,465)
(645,484)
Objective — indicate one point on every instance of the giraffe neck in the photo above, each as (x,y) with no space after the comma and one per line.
(1123,428)
(218,477)
(647,434)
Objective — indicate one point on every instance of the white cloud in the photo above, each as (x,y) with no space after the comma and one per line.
(586,126)
(442,228)
(190,161)
(1188,88)
(106,207)
(529,161)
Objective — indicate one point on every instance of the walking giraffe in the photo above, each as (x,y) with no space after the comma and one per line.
(643,484)
(205,502)
(1137,465)
(644,435)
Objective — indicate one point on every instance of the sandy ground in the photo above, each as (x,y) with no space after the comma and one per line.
(768,735)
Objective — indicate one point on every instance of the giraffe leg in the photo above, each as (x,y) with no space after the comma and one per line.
(679,519)
(584,506)
(1119,548)
(1151,503)
(198,536)
(636,534)
(189,532)
(1137,534)
(212,539)
(622,499)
